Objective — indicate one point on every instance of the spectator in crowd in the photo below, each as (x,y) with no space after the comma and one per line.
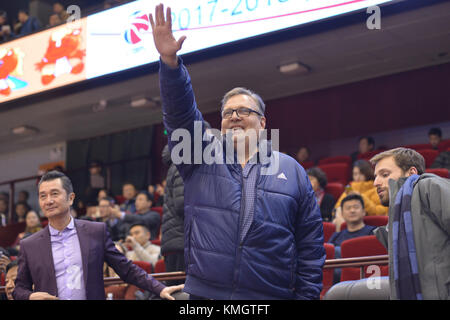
(160,189)
(23,196)
(302,155)
(362,184)
(325,200)
(28,24)
(172,228)
(54,20)
(435,137)
(417,236)
(151,189)
(4,259)
(241,231)
(442,160)
(6,34)
(10,278)
(60,12)
(89,245)
(103,193)
(114,225)
(92,211)
(32,225)
(129,193)
(142,249)
(353,213)
(96,181)
(3,212)
(143,215)
(21,208)
(365,144)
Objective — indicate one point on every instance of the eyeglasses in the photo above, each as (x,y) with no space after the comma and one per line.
(241,112)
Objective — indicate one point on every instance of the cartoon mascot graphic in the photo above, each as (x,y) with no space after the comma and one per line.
(64,55)
(11,63)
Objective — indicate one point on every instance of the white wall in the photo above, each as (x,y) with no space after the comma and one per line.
(26,163)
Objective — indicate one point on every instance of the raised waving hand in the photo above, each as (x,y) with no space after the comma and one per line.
(165,42)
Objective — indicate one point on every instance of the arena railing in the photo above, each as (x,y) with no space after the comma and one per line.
(360,262)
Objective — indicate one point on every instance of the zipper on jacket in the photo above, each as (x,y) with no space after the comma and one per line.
(239,248)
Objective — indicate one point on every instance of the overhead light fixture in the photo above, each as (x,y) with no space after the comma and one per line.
(100,106)
(139,102)
(293,68)
(24,130)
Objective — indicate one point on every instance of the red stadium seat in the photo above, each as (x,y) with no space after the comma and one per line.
(429,156)
(418,146)
(160,266)
(147,266)
(377,221)
(335,189)
(444,145)
(336,172)
(120,199)
(328,230)
(307,164)
(327,280)
(361,247)
(336,159)
(368,155)
(442,172)
(156,241)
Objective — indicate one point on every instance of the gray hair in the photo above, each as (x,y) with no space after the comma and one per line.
(239,90)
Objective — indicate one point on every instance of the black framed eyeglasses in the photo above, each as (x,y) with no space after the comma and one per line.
(241,112)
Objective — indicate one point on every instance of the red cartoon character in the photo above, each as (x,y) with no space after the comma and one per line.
(64,55)
(8,63)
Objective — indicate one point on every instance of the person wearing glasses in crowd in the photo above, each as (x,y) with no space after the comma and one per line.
(249,233)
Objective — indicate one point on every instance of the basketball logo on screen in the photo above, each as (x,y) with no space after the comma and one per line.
(138,24)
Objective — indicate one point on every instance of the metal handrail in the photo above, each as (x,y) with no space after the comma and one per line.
(360,262)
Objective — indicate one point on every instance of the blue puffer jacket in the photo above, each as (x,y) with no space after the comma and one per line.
(282,254)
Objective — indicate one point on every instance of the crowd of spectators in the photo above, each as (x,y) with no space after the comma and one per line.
(135,218)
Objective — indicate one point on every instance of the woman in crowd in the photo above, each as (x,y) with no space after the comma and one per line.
(362,184)
(21,210)
(32,225)
(326,201)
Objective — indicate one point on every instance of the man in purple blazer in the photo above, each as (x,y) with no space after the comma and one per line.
(65,260)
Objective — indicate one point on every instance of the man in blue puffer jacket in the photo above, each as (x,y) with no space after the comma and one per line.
(249,233)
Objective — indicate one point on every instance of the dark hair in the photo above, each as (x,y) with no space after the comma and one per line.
(366,169)
(129,183)
(11,265)
(145,193)
(24,11)
(319,175)
(95,163)
(370,140)
(53,175)
(140,225)
(25,193)
(435,131)
(22,203)
(109,199)
(350,197)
